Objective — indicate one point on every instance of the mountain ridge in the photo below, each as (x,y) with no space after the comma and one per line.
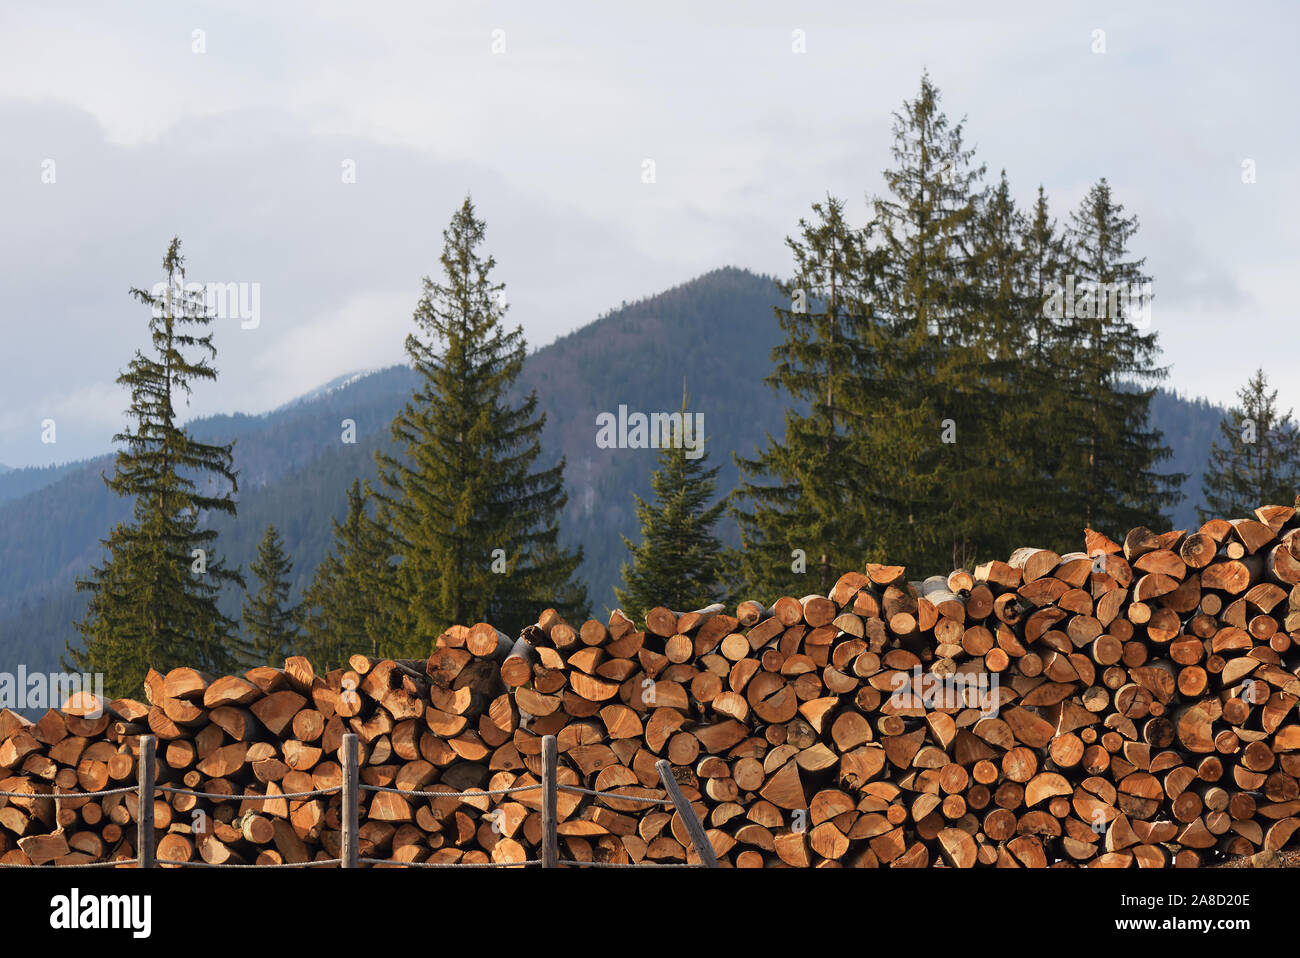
(715,331)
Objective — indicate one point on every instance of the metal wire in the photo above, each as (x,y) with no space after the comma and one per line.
(626,798)
(323,861)
(387,861)
(510,791)
(246,797)
(111,791)
(335,788)
(162,862)
(570,861)
(112,864)
(499,791)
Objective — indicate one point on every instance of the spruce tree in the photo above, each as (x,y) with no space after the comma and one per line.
(270,622)
(1113,469)
(1256,460)
(474,523)
(679,561)
(352,605)
(153,601)
(1012,381)
(930,431)
(1046,374)
(1046,262)
(1002,482)
(794,498)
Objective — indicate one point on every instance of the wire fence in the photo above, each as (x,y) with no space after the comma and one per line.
(350,788)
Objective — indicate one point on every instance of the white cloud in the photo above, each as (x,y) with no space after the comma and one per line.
(238,150)
(365,332)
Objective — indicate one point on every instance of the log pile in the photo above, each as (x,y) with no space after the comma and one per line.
(1129,705)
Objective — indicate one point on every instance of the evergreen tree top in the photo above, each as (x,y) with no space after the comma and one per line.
(153,602)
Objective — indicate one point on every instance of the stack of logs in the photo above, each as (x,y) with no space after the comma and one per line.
(1129,705)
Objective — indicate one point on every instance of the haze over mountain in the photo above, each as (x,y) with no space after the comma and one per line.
(713,333)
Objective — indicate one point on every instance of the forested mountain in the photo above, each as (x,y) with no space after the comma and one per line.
(1188,426)
(15,483)
(715,333)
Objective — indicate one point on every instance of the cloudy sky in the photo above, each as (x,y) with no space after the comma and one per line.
(233,124)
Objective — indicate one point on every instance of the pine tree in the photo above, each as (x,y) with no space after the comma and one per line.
(475,526)
(352,605)
(1011,381)
(679,561)
(270,623)
(1046,374)
(1002,479)
(1258,461)
(930,432)
(1115,482)
(1046,262)
(153,602)
(794,499)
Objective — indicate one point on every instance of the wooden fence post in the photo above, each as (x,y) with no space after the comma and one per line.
(350,811)
(694,827)
(550,792)
(144,818)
